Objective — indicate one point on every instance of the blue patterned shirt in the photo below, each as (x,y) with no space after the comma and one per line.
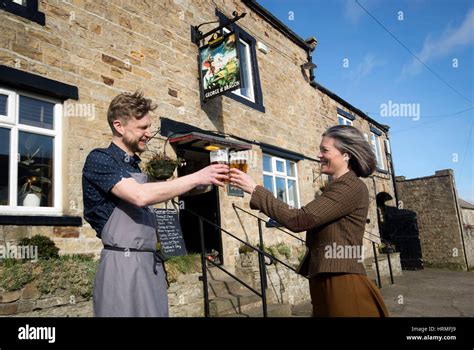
(103,169)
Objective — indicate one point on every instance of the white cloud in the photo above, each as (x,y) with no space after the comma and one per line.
(451,40)
(363,69)
(352,11)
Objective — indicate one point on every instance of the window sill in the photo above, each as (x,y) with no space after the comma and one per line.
(40,220)
(382,171)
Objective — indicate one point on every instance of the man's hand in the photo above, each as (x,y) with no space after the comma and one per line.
(156,192)
(213,175)
(242,180)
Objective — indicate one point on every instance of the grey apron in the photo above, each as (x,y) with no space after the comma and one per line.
(125,284)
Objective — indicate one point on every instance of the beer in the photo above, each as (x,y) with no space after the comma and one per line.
(241,166)
(239,160)
(219,156)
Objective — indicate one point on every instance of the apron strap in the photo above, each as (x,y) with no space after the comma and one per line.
(157,257)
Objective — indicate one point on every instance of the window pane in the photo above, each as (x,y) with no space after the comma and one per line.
(290,169)
(341,120)
(280,166)
(268,183)
(35,170)
(377,151)
(4,165)
(281,189)
(246,88)
(292,199)
(379,154)
(267,163)
(3,104)
(20,2)
(36,112)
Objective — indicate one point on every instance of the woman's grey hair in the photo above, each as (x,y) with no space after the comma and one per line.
(350,140)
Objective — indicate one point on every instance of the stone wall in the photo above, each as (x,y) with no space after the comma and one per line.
(106,47)
(185,297)
(434,200)
(468,234)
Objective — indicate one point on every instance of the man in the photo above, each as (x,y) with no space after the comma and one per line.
(130,280)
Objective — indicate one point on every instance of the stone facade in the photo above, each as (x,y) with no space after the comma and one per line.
(434,198)
(106,47)
(467,212)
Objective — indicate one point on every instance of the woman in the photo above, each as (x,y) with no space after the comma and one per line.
(335,223)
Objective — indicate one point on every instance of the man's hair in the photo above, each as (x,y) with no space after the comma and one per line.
(126,106)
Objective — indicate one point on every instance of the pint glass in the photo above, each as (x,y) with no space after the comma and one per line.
(219,156)
(239,160)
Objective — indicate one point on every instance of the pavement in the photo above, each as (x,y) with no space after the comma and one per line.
(423,293)
(431,293)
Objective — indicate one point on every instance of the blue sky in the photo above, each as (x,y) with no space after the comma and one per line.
(358,60)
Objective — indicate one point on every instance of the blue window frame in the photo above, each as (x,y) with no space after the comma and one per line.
(24,8)
(250,93)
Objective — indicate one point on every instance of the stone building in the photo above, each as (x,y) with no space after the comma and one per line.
(467,213)
(62,62)
(444,221)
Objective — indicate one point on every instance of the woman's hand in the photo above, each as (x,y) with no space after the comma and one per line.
(242,180)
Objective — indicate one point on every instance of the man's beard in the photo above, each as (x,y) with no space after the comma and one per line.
(132,145)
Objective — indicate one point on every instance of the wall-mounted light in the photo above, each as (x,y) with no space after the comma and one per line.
(211,147)
(262,47)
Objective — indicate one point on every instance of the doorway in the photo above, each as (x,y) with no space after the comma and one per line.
(203,201)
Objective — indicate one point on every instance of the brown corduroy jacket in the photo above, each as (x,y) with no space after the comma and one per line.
(334,221)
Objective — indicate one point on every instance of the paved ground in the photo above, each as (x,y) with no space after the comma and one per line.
(424,293)
(431,293)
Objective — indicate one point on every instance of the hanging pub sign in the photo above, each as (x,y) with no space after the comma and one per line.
(219,66)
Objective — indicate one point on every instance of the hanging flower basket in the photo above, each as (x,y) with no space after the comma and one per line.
(161,167)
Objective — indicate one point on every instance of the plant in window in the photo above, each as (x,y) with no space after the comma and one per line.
(31,183)
(160,166)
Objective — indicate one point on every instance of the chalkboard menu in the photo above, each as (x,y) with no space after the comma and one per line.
(169,230)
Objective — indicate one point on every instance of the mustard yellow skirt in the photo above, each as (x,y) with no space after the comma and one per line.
(345,295)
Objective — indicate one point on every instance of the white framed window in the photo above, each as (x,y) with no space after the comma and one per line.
(376,147)
(280,176)
(7,106)
(343,120)
(30,154)
(247,84)
(247,88)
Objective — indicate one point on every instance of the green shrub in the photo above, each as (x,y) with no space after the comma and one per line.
(301,256)
(16,276)
(244,249)
(46,247)
(78,257)
(8,262)
(190,263)
(69,275)
(284,250)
